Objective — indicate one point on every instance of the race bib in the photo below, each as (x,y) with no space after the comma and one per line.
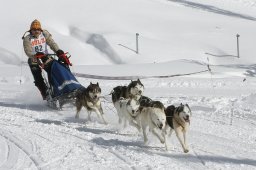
(39,44)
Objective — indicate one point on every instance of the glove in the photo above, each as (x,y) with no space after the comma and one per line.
(59,53)
(33,61)
(42,56)
(39,54)
(62,57)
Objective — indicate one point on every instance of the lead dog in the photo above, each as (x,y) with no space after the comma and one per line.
(178,119)
(152,115)
(133,91)
(90,98)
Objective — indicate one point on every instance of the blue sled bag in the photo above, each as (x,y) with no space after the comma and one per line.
(62,80)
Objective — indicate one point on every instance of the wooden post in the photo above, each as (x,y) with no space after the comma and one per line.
(237,45)
(137,43)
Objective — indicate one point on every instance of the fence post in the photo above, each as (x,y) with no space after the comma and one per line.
(137,43)
(232,111)
(237,43)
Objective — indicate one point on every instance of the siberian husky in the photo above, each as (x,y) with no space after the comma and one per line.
(133,91)
(152,115)
(90,99)
(178,119)
(129,109)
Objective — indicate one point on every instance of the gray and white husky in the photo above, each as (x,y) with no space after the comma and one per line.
(90,98)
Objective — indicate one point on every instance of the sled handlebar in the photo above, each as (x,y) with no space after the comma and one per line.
(65,57)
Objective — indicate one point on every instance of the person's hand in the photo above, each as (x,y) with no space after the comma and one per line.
(62,57)
(33,61)
(39,55)
(59,52)
(42,56)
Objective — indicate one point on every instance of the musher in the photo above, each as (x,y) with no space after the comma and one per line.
(35,45)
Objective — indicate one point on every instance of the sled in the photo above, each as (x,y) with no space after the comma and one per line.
(61,83)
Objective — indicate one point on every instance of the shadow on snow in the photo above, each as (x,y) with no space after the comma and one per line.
(213,9)
(32,107)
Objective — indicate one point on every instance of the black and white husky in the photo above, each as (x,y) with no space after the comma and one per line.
(133,91)
(178,119)
(90,98)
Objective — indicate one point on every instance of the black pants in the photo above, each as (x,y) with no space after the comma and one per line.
(38,78)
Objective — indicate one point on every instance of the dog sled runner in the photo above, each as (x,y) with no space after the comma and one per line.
(61,83)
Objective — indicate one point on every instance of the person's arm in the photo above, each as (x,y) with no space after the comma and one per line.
(27,47)
(50,42)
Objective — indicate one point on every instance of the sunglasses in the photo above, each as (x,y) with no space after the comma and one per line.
(36,30)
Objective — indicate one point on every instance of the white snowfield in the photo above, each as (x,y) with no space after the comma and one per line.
(100,35)
(222,132)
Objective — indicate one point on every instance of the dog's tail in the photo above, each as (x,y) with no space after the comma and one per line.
(112,91)
(169,111)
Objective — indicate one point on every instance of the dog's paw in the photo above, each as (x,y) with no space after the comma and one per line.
(145,141)
(162,140)
(186,150)
(138,127)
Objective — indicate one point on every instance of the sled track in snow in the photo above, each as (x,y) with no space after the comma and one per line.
(198,157)
(32,156)
(115,153)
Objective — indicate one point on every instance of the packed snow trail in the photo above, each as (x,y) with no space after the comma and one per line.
(34,136)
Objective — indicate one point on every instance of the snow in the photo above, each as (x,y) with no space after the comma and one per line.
(174,37)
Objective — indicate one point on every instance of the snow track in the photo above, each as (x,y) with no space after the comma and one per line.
(32,136)
(13,147)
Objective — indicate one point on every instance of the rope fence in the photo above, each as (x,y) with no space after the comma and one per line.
(82,75)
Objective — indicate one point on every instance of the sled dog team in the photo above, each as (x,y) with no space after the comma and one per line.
(139,111)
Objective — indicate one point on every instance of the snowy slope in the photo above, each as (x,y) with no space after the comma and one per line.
(222,132)
(100,35)
(94,31)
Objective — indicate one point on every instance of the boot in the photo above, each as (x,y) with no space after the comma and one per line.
(43,93)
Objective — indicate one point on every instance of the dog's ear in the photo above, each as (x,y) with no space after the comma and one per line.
(138,80)
(180,108)
(97,84)
(90,83)
(188,108)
